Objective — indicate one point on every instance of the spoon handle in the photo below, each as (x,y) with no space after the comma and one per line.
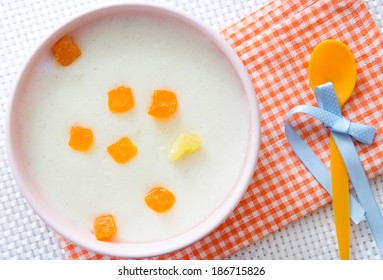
(340,200)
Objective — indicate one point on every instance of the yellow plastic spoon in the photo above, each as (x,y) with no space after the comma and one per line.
(332,61)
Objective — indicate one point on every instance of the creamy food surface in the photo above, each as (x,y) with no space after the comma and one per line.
(144,52)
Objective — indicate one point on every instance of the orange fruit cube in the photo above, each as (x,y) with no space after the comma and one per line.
(120,99)
(104,227)
(160,199)
(164,104)
(80,138)
(122,150)
(66,51)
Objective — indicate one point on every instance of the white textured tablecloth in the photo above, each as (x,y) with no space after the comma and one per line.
(23,235)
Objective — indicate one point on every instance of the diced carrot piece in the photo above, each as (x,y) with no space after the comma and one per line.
(66,51)
(81,138)
(122,150)
(104,227)
(120,99)
(164,104)
(160,199)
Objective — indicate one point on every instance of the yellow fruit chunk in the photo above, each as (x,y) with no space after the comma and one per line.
(66,51)
(164,104)
(81,138)
(122,150)
(120,99)
(104,227)
(160,199)
(186,143)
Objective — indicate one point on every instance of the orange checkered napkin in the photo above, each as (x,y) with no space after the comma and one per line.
(274,44)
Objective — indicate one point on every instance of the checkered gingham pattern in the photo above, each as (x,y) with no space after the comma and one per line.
(274,44)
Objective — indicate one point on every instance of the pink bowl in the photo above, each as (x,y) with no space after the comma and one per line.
(84,238)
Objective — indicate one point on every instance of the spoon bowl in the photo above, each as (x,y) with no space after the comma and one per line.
(332,61)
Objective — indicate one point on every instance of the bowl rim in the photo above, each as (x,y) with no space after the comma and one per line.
(198,232)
